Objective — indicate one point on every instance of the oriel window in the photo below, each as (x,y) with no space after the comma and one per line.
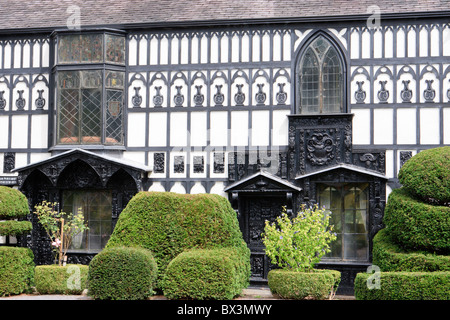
(320,79)
(90,73)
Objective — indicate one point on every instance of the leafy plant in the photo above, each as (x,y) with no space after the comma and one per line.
(61,227)
(299,243)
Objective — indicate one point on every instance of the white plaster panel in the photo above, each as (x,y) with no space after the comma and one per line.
(178,129)
(143,51)
(389,163)
(260,128)
(136,129)
(36,55)
(434,40)
(218,189)
(446,39)
(21,160)
(280,127)
(35,157)
(26,55)
(157,187)
(39,131)
(198,129)
(19,131)
(4,131)
(446,115)
(383,126)
(132,52)
(7,57)
(157,135)
(429,126)
(287,47)
(239,128)
(197,188)
(388,44)
(178,188)
(406,126)
(401,50)
(361,126)
(411,43)
(354,48)
(135,156)
(164,51)
(219,128)
(45,55)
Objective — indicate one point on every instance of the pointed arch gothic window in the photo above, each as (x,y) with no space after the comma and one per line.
(320,86)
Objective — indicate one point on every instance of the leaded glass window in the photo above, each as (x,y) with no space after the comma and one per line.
(90,97)
(320,79)
(349,207)
(96,209)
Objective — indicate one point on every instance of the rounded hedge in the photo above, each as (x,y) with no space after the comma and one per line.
(168,223)
(388,256)
(207,274)
(427,175)
(15,228)
(13,203)
(416,225)
(404,286)
(122,273)
(55,279)
(318,284)
(16,270)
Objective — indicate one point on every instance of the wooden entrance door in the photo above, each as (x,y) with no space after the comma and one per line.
(255,210)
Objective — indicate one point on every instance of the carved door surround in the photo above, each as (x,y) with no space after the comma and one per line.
(257,198)
(76,169)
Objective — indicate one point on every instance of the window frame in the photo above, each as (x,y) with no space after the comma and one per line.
(340,187)
(105,66)
(302,51)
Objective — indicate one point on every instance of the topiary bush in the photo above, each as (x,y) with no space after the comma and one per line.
(169,223)
(389,256)
(417,225)
(13,205)
(207,274)
(16,270)
(405,286)
(16,264)
(317,284)
(122,273)
(55,279)
(427,175)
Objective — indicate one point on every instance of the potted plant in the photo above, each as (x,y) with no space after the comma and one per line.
(296,245)
(62,228)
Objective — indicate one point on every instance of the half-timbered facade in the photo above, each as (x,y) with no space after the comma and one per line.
(271,104)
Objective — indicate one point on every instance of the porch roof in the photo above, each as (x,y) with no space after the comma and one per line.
(119,161)
(262,174)
(350,167)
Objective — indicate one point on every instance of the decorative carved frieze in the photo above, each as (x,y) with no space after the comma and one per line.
(158,162)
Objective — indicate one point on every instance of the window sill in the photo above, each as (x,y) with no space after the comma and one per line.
(64,147)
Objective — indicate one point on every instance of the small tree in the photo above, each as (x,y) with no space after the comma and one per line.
(61,227)
(298,243)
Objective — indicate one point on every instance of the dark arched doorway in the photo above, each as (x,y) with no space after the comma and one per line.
(100,185)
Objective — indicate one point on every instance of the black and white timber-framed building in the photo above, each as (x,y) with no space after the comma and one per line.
(270,103)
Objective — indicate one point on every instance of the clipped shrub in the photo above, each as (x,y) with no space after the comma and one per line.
(389,256)
(207,274)
(122,273)
(405,286)
(316,284)
(427,175)
(417,225)
(14,228)
(13,204)
(55,279)
(168,223)
(16,270)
